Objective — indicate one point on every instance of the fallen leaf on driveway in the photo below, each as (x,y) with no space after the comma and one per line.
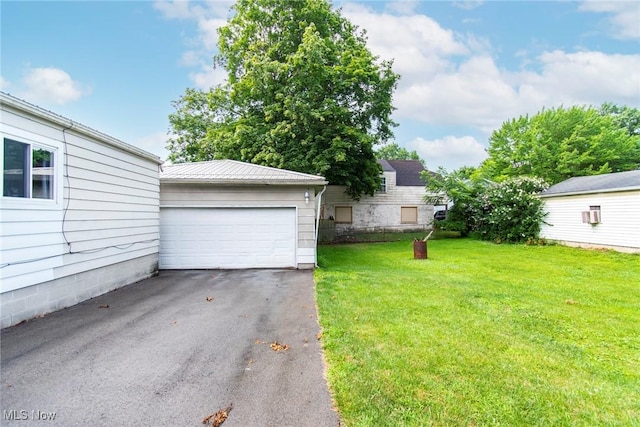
(218,418)
(103,306)
(275,346)
(319,335)
(209,299)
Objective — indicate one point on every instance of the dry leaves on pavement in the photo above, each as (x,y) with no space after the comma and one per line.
(275,346)
(216,420)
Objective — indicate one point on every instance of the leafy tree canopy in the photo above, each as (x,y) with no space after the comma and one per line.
(464,188)
(561,143)
(394,152)
(303,92)
(625,117)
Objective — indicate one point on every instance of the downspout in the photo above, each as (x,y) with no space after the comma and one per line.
(318,224)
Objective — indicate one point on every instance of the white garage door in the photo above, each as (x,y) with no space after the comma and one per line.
(227,238)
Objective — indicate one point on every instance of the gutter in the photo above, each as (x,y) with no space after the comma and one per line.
(318,223)
(28,108)
(238,181)
(581,193)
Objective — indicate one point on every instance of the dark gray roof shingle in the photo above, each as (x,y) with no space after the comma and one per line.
(596,184)
(407,171)
(386,166)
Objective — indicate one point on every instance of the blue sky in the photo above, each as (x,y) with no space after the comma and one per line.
(465,66)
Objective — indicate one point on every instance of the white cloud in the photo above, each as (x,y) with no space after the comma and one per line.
(208,77)
(4,83)
(51,85)
(476,94)
(154,143)
(208,17)
(468,4)
(449,152)
(453,79)
(208,30)
(583,78)
(419,46)
(624,16)
(403,7)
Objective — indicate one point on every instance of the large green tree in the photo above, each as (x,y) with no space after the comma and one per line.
(303,92)
(560,143)
(623,116)
(393,151)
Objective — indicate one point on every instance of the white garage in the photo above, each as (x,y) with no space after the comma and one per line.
(225,214)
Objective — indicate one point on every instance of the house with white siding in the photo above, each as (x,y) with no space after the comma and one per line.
(230,214)
(600,211)
(79,212)
(398,205)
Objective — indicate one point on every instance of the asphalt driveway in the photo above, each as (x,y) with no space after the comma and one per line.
(171,350)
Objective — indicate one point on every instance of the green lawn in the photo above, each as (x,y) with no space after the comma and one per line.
(481,334)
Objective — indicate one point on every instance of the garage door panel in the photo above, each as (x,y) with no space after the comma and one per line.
(227,237)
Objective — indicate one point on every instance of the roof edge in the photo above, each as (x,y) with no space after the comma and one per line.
(580,193)
(25,106)
(240,162)
(241,182)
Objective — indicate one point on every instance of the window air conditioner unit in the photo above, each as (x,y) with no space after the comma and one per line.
(591,217)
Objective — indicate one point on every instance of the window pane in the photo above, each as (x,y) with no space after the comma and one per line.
(383,185)
(42,174)
(16,169)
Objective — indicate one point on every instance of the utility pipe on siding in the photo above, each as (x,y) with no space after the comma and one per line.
(318,224)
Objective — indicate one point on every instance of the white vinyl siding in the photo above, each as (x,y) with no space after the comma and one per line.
(619,224)
(106,208)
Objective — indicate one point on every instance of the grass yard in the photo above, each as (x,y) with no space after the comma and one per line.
(481,334)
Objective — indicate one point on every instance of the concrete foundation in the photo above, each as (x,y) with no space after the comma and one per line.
(37,300)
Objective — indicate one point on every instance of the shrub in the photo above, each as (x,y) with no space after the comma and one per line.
(512,211)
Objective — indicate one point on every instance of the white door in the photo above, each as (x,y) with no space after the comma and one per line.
(227,238)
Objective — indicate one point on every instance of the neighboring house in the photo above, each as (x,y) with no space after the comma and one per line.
(230,214)
(599,211)
(79,212)
(398,205)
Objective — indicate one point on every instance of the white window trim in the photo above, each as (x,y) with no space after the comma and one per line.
(383,185)
(39,141)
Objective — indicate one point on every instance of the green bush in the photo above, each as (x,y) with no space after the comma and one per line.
(508,211)
(512,211)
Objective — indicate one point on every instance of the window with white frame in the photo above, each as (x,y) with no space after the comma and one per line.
(383,185)
(28,170)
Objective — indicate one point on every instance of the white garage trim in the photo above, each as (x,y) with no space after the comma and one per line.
(230,237)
